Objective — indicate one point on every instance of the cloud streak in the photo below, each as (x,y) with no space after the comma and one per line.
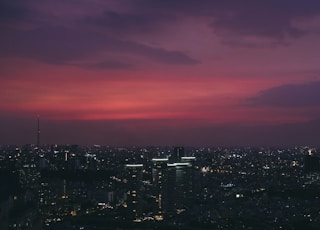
(12,12)
(251,22)
(130,23)
(58,45)
(290,96)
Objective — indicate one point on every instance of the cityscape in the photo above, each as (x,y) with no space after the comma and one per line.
(159,114)
(101,187)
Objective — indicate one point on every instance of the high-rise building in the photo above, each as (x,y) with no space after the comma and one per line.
(135,190)
(159,182)
(173,183)
(190,174)
(180,187)
(172,191)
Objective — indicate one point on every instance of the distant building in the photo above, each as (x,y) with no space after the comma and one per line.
(178,152)
(42,163)
(311,162)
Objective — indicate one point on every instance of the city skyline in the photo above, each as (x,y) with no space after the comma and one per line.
(160,72)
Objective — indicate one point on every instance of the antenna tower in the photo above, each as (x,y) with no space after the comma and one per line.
(38,132)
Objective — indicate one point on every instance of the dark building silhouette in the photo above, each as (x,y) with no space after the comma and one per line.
(312,162)
(180,186)
(178,152)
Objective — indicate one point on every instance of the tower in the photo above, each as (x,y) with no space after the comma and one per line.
(38,132)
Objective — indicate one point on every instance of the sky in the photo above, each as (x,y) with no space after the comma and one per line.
(160,72)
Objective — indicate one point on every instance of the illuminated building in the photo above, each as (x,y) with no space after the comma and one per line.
(180,187)
(159,181)
(134,192)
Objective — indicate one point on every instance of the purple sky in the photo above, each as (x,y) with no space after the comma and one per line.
(151,72)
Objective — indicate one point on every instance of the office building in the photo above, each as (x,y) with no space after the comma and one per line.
(135,191)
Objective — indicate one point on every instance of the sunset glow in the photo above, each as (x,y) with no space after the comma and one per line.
(152,65)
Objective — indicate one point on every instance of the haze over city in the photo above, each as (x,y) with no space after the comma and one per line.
(144,72)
